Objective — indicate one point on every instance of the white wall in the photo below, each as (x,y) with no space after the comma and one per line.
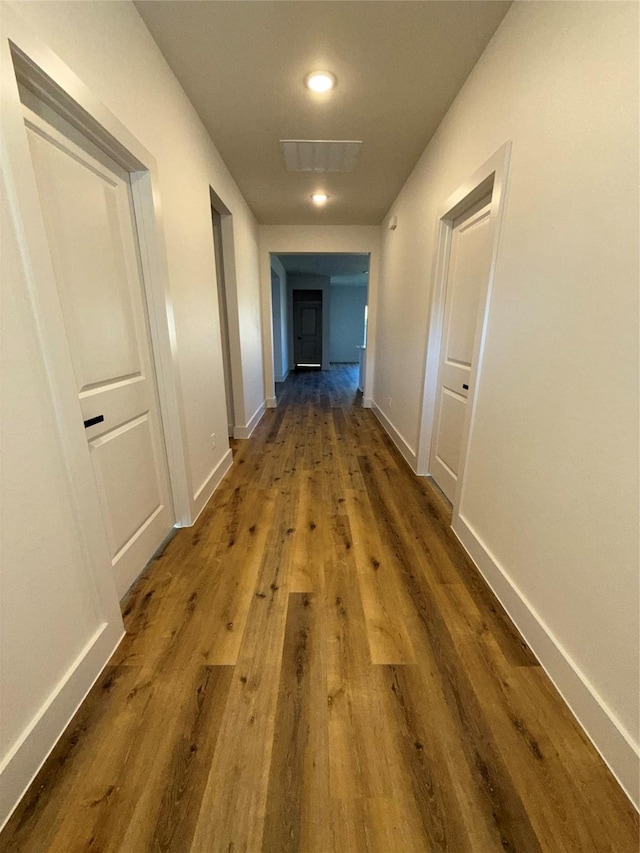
(59,612)
(347,322)
(316,239)
(551,481)
(108,46)
(296,281)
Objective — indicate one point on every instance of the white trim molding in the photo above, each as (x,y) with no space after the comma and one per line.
(607,734)
(27,756)
(400,442)
(211,483)
(246,431)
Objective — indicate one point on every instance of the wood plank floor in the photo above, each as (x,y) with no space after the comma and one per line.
(317,667)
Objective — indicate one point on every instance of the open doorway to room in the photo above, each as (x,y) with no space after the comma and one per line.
(223,310)
(319,312)
(279,323)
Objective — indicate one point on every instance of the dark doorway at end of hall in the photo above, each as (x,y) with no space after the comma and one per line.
(319,312)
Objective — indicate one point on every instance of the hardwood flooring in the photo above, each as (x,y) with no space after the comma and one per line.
(317,667)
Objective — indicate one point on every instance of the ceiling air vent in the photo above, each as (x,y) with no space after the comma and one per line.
(320,155)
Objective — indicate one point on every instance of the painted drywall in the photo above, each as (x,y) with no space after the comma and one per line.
(280,320)
(297,281)
(56,634)
(108,46)
(551,486)
(316,239)
(347,322)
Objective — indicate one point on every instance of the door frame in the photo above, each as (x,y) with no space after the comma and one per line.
(491,177)
(227,241)
(26,59)
(318,240)
(279,326)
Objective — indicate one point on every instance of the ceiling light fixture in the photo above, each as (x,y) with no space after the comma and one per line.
(319,198)
(320,81)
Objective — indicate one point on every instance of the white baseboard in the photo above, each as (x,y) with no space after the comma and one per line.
(245,431)
(210,484)
(396,437)
(272,403)
(607,734)
(25,759)
(367,403)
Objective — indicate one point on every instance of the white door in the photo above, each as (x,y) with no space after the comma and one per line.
(469,265)
(89,220)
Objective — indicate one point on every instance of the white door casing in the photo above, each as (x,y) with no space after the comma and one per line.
(89,220)
(466,284)
(223,311)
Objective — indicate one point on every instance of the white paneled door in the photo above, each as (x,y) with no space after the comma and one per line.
(89,220)
(469,265)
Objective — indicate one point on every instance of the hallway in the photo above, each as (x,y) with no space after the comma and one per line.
(316,666)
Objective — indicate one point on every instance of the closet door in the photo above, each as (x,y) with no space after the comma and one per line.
(89,220)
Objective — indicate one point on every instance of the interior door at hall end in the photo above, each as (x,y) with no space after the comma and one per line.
(89,221)
(468,272)
(307,328)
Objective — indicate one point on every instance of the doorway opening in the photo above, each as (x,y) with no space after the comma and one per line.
(279,325)
(319,312)
(223,311)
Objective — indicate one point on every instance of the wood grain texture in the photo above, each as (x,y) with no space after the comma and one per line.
(316,666)
(384,609)
(298,803)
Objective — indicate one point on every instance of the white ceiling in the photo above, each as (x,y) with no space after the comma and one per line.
(399,64)
(344,269)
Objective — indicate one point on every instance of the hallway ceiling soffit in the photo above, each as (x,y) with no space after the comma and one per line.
(399,66)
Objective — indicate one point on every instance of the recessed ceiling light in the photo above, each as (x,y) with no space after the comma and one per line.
(320,81)
(319,198)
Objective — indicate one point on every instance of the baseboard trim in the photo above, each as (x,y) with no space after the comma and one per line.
(367,403)
(245,431)
(272,403)
(21,765)
(213,480)
(395,436)
(605,731)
